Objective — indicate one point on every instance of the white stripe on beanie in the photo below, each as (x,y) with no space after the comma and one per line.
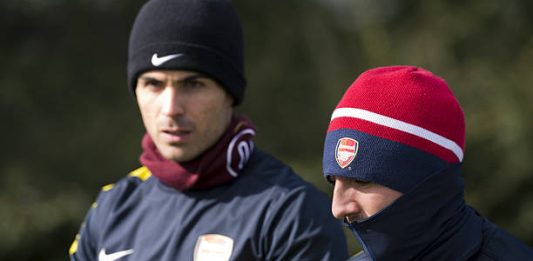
(401,126)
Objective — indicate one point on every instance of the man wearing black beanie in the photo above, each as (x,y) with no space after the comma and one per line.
(204,191)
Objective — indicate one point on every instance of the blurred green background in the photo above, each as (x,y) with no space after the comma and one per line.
(69,125)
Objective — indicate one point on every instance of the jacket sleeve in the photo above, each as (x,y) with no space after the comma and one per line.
(301,227)
(85,244)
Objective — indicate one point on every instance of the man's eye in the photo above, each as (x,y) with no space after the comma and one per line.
(193,83)
(154,83)
(361,183)
(364,183)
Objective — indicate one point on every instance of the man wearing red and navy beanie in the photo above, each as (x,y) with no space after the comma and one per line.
(393,151)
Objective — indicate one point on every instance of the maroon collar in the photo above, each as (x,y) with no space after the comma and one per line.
(217,165)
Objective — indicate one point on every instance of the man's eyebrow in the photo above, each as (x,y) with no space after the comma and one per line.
(182,80)
(192,77)
(149,78)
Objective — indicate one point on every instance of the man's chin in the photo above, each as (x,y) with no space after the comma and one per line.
(174,154)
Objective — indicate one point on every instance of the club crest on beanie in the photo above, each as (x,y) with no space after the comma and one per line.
(394,126)
(198,35)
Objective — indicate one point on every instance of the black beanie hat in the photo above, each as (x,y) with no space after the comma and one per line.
(196,35)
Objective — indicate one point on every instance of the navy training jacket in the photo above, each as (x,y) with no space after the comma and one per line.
(268,213)
(433,222)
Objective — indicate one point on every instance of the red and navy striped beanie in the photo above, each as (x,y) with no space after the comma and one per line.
(394,126)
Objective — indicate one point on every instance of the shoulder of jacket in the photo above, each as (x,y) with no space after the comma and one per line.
(498,244)
(271,172)
(110,197)
(279,177)
(124,186)
(134,177)
(282,186)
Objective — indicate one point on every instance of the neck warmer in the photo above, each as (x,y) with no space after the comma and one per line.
(432,222)
(217,165)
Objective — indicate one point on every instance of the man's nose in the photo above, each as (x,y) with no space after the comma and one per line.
(344,203)
(172,102)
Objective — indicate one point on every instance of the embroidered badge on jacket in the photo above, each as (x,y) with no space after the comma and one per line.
(213,247)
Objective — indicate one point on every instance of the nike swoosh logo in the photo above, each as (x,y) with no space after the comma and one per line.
(158,61)
(102,256)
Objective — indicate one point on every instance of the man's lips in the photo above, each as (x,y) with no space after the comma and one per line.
(175,135)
